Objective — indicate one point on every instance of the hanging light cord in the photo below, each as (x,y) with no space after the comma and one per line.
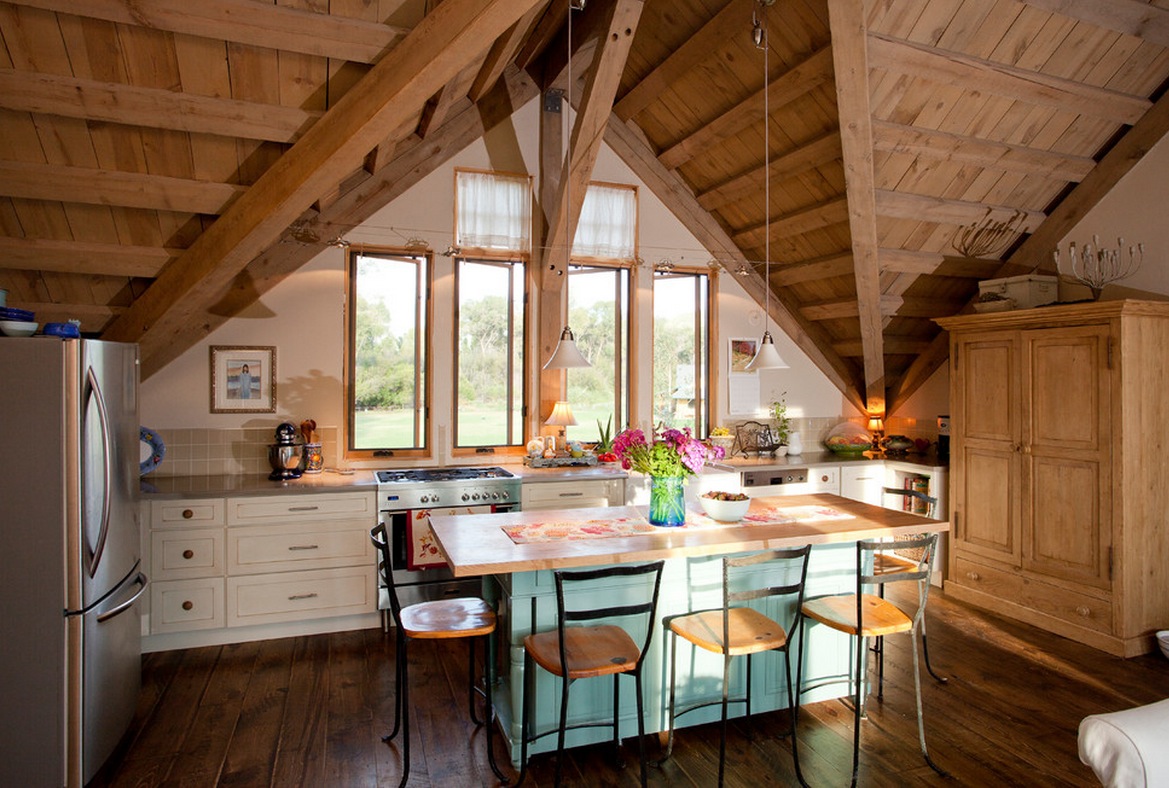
(760,36)
(568,158)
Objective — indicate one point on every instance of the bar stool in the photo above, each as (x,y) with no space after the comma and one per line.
(466,617)
(736,630)
(864,615)
(578,652)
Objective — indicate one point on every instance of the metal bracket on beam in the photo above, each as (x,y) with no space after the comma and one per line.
(553,100)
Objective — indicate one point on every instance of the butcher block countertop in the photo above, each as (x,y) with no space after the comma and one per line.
(476,544)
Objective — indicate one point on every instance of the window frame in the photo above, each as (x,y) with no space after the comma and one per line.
(705,404)
(424,349)
(506,255)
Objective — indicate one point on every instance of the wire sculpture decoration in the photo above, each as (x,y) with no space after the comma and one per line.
(987,237)
(1097,267)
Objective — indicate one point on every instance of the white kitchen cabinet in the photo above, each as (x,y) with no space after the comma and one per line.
(863,482)
(575,494)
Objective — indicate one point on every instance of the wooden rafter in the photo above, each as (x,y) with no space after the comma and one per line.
(851,67)
(813,217)
(501,54)
(902,205)
(244,22)
(905,261)
(1130,17)
(826,267)
(816,153)
(454,34)
(795,82)
(83,257)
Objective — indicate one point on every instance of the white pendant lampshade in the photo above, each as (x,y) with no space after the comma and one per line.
(767,356)
(561,415)
(567,355)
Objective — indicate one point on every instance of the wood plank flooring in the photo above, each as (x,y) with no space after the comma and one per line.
(310,711)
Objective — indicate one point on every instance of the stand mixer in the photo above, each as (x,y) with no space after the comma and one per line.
(286,455)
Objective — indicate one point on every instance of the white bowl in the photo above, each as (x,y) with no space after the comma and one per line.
(1163,642)
(724,511)
(18,328)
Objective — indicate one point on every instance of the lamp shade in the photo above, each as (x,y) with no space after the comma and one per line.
(767,357)
(876,424)
(561,415)
(567,355)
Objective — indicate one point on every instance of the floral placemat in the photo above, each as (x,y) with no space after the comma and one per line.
(569,530)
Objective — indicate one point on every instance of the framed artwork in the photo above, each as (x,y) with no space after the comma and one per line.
(742,384)
(741,351)
(243,379)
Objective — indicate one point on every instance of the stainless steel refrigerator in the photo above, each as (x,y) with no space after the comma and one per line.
(70,550)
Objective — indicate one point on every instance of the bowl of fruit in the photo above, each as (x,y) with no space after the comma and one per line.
(848,438)
(726,507)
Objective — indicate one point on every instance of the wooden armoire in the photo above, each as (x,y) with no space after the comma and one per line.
(1059,475)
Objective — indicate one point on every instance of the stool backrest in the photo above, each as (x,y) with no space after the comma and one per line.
(646,605)
(788,561)
(925,545)
(381,541)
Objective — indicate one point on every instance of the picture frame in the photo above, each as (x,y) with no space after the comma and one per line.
(243,379)
(740,351)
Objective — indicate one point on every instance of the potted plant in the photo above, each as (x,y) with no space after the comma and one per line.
(783,424)
(604,447)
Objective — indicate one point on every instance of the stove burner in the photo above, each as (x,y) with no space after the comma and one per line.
(442,475)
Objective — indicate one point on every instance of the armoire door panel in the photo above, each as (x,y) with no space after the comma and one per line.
(989,389)
(1068,389)
(989,499)
(1067,532)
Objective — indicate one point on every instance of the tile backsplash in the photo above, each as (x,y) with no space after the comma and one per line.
(242,451)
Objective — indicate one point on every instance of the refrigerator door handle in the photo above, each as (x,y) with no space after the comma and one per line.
(141,581)
(95,550)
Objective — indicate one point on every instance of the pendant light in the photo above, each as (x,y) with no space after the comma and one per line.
(767,357)
(567,355)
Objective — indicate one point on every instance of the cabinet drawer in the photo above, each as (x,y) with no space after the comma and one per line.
(297,596)
(289,508)
(205,511)
(274,548)
(181,605)
(189,553)
(1075,608)
(571,495)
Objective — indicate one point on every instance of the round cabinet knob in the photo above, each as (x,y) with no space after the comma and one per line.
(188,605)
(188,554)
(188,514)
(1083,611)
(974,575)
(824,478)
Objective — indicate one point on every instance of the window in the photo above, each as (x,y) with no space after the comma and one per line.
(607,229)
(489,385)
(493,212)
(598,313)
(681,350)
(389,352)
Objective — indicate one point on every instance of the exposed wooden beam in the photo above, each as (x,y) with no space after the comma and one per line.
(813,217)
(446,100)
(919,371)
(816,153)
(799,80)
(107,187)
(905,346)
(450,37)
(985,76)
(501,54)
(632,147)
(70,97)
(1036,251)
(944,146)
(902,205)
(1130,17)
(588,131)
(81,257)
(244,22)
(887,306)
(826,267)
(846,19)
(905,261)
(697,48)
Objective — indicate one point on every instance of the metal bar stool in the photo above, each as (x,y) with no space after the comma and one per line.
(577,652)
(864,615)
(736,630)
(465,617)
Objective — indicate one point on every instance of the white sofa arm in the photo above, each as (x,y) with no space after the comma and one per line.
(1130,748)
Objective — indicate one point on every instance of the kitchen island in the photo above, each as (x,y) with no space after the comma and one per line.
(516,553)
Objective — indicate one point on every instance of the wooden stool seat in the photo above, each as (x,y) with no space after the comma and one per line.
(839,612)
(590,651)
(750,631)
(448,618)
(891,563)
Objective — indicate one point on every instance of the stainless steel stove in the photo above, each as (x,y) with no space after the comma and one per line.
(406,501)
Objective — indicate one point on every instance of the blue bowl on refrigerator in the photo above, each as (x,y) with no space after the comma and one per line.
(62,330)
(10,313)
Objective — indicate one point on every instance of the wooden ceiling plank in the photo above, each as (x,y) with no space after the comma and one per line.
(592,114)
(48,94)
(79,257)
(451,36)
(1130,17)
(814,154)
(824,267)
(902,205)
(630,145)
(107,187)
(797,81)
(944,146)
(814,217)
(959,70)
(255,24)
(704,43)
(1037,250)
(851,67)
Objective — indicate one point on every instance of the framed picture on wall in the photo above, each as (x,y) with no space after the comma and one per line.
(740,353)
(742,384)
(243,379)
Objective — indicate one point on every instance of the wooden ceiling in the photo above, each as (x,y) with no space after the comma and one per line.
(165,163)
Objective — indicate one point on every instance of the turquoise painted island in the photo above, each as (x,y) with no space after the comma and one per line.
(516,552)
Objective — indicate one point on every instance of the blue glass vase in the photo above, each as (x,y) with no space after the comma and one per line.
(667,504)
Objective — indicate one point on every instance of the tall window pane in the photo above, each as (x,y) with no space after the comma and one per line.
(490,330)
(681,350)
(389,348)
(598,312)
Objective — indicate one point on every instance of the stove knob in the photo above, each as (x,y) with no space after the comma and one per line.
(466,497)
(495,496)
(434,498)
(424,499)
(505,495)
(474,496)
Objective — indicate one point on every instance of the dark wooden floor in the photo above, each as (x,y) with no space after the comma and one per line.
(310,711)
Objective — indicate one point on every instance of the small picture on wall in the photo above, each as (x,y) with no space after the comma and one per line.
(243,379)
(741,353)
